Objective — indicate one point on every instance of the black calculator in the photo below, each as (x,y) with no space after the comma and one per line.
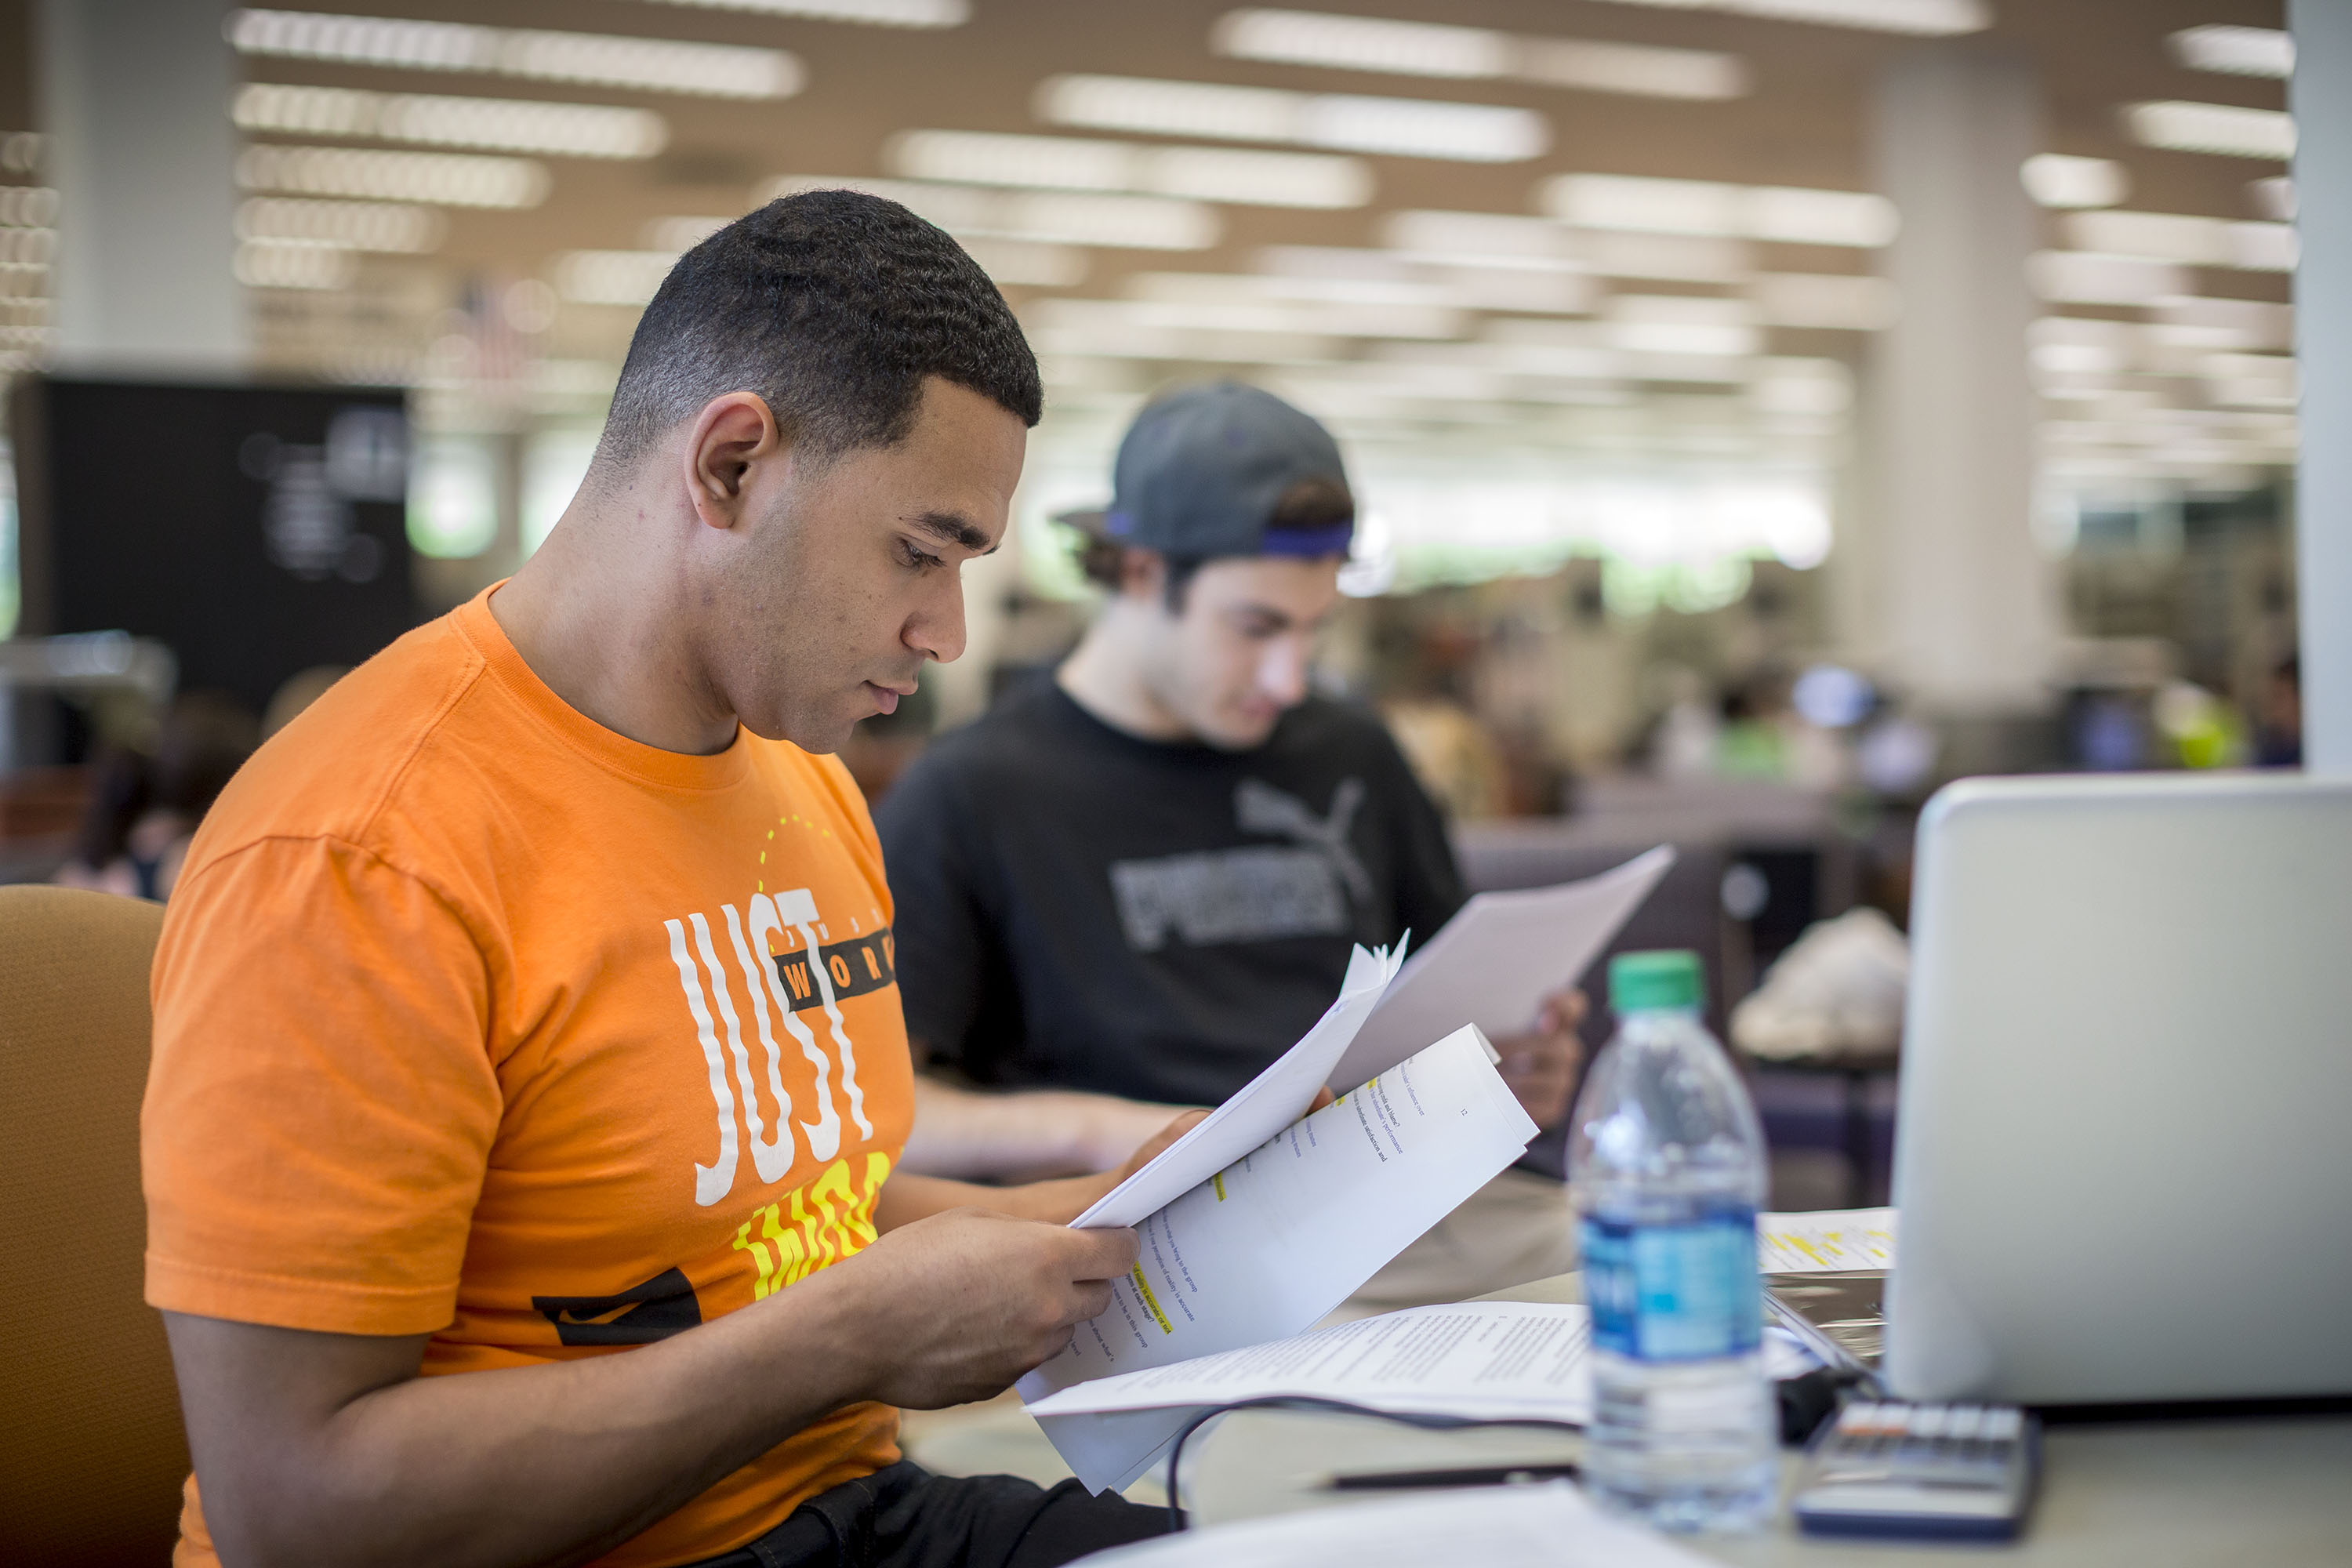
(1944,1472)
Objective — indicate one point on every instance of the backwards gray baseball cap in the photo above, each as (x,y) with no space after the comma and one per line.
(1201,472)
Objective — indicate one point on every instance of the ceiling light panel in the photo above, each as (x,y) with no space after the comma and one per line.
(2236,51)
(1402,127)
(503,124)
(1664,257)
(1363,43)
(1837,301)
(1704,207)
(654,65)
(265,264)
(444,179)
(1034,263)
(682,233)
(2091,278)
(1480,239)
(2063,179)
(1069,162)
(2273,197)
(395,227)
(1473,54)
(1075,218)
(2220,128)
(2168,237)
(1928,18)
(872,13)
(612,277)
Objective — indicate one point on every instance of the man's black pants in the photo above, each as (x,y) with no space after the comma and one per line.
(905,1517)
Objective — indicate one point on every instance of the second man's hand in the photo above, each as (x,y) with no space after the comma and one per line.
(1540,1066)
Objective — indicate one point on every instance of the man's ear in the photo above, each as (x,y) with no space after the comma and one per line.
(731,434)
(1142,574)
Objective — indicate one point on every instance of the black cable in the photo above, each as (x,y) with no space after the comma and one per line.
(1427,1422)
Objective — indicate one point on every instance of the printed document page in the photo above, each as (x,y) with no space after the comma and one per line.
(1825,1241)
(1550,1526)
(1264,1248)
(1271,1101)
(1483,1359)
(1495,963)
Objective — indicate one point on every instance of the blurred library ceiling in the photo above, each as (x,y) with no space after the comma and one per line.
(1531,229)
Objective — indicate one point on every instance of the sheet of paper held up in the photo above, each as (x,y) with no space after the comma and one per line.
(1483,1359)
(1268,1103)
(1261,1249)
(1550,1526)
(1826,1241)
(1495,963)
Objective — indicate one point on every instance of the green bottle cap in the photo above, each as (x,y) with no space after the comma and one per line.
(1640,982)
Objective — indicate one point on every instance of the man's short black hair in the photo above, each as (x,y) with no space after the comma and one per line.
(834,306)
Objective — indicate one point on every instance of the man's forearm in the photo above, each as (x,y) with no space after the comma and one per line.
(551,1464)
(1030,1133)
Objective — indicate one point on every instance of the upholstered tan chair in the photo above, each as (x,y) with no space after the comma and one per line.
(91,1453)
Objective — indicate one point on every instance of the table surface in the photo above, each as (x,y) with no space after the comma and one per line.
(2270,1492)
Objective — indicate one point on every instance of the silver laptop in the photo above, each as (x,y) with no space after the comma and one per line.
(2124,1154)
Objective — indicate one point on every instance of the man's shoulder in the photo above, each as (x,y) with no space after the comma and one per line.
(1335,728)
(332,772)
(1019,731)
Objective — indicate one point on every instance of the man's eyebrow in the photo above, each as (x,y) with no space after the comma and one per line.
(955,530)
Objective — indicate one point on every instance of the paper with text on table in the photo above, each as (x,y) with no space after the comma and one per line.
(1268,1245)
(1488,1360)
(1825,1241)
(1494,963)
(1550,1526)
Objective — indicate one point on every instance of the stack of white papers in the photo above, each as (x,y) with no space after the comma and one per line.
(1825,1241)
(1492,1527)
(1485,1359)
(1267,1246)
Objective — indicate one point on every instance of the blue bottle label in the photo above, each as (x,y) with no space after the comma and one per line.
(1674,1292)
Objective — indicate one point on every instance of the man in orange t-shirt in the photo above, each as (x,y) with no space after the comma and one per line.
(528,1069)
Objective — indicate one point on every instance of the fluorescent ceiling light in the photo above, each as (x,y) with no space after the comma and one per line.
(1842,301)
(446,179)
(1119,221)
(2090,278)
(265,264)
(2273,197)
(681,234)
(2221,127)
(2235,51)
(1030,262)
(1667,258)
(1929,18)
(390,227)
(1682,324)
(1287,317)
(873,12)
(2251,324)
(503,124)
(1704,208)
(1473,54)
(657,65)
(1069,162)
(2061,180)
(1402,127)
(612,277)
(2174,236)
(1480,239)
(27,206)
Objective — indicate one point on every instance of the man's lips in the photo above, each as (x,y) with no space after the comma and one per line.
(886,698)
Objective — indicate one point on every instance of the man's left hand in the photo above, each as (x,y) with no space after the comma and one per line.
(1540,1066)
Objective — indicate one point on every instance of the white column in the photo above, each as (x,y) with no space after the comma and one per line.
(2321,96)
(1963,603)
(134,96)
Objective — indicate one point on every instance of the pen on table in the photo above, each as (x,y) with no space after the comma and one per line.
(1473,1476)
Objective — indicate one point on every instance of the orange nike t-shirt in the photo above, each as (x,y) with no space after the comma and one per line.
(475,1019)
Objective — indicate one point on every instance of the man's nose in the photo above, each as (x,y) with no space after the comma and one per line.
(935,629)
(1282,675)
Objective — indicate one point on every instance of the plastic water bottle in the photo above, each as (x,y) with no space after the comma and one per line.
(1666,1169)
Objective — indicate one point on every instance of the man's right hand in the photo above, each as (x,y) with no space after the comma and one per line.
(963,1302)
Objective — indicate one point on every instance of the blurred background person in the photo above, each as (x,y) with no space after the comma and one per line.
(1137,883)
(144,809)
